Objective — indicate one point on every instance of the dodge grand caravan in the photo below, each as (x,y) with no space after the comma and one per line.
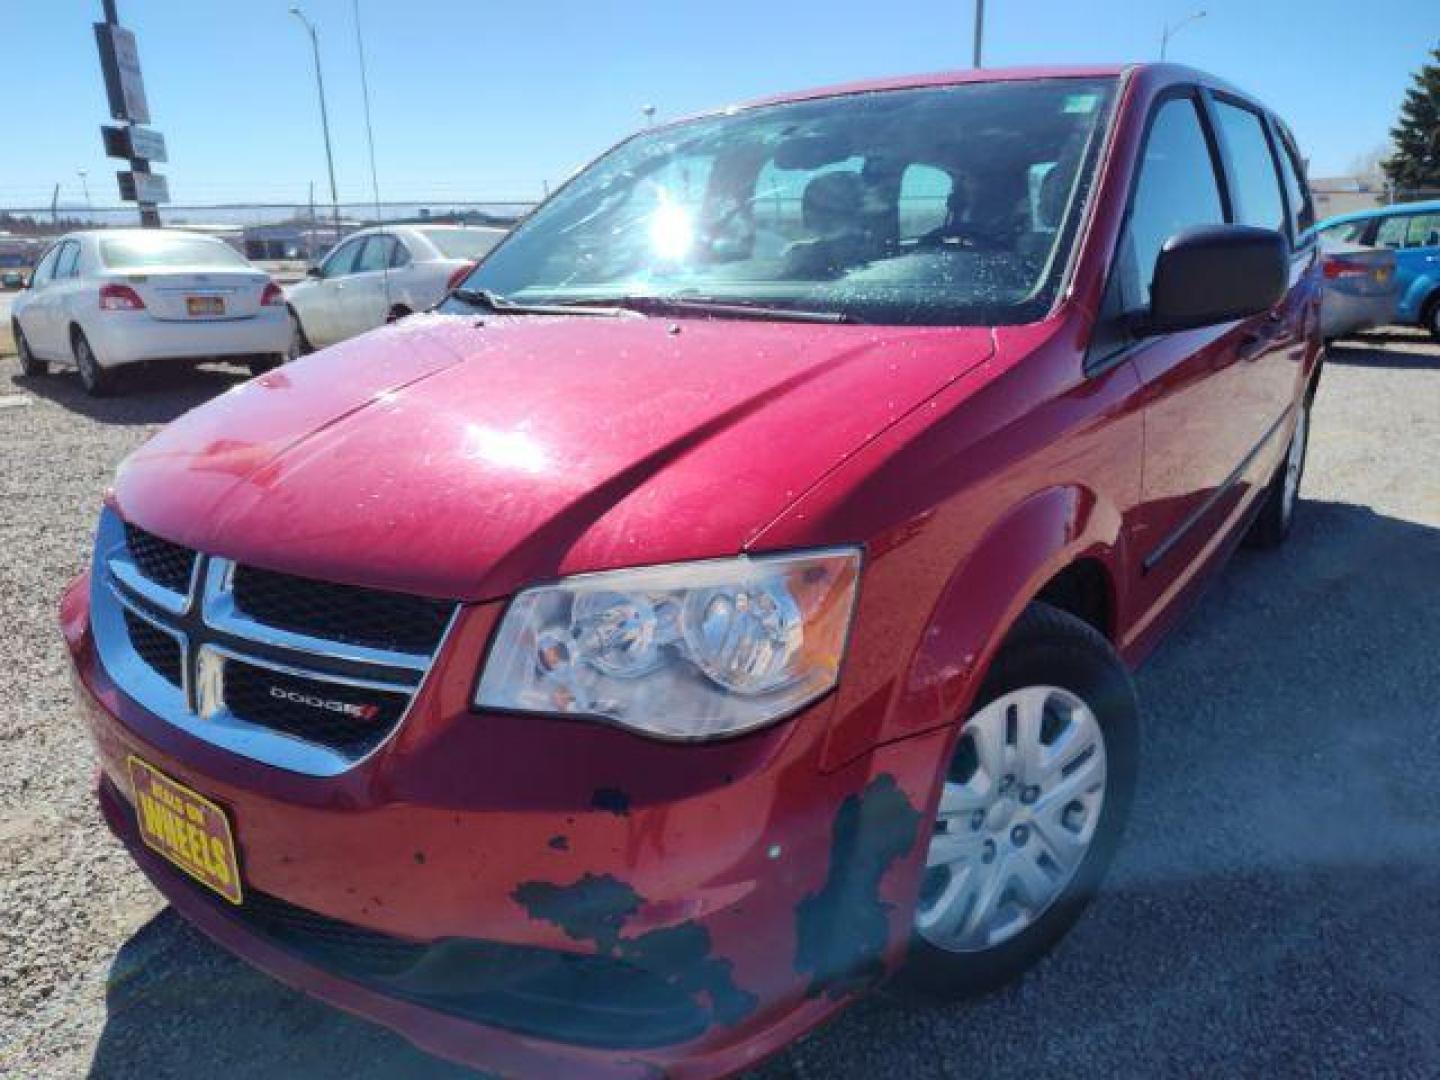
(725,600)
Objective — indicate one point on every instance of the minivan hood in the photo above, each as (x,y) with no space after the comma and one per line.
(450,458)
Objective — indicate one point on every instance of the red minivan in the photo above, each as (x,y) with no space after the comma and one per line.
(726,598)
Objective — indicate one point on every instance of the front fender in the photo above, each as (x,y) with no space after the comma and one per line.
(982,599)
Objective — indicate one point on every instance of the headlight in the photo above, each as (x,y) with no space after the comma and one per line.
(690,651)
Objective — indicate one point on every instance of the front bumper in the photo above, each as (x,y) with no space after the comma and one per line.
(127,337)
(695,907)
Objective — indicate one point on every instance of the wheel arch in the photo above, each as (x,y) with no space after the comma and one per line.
(1063,545)
(1428,303)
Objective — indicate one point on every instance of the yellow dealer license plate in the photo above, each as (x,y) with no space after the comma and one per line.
(186,828)
(205,305)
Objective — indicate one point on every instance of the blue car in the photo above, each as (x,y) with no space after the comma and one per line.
(1412,231)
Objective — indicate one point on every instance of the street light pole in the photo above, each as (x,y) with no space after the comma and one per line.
(1170,31)
(324,116)
(979,30)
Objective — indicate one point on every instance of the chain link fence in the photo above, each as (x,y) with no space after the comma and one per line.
(262,231)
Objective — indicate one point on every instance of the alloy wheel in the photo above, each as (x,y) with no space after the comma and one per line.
(1017,815)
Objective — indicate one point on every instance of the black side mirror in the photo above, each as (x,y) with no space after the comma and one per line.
(1211,274)
(313,271)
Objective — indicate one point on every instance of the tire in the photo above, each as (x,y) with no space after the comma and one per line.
(30,364)
(299,343)
(95,379)
(1432,317)
(1282,496)
(1041,831)
(261,364)
(398,312)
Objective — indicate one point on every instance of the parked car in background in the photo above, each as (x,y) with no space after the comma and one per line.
(727,597)
(1360,290)
(1412,231)
(377,275)
(104,298)
(12,279)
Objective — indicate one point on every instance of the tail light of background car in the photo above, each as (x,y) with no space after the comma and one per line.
(120,298)
(460,274)
(273,296)
(1336,267)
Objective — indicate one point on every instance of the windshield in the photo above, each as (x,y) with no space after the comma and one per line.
(467,244)
(941,206)
(146,251)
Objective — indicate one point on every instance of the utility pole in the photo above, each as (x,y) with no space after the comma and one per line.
(324,116)
(979,32)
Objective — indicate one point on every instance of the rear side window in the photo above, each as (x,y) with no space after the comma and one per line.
(143,252)
(1424,231)
(1302,208)
(376,254)
(1391,233)
(1347,232)
(468,244)
(1257,185)
(1175,188)
(925,200)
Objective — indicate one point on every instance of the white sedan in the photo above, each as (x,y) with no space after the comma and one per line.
(377,275)
(107,297)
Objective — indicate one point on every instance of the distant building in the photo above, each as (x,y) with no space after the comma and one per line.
(1344,195)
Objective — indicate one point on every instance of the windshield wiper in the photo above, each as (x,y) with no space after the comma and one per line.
(505,306)
(652,303)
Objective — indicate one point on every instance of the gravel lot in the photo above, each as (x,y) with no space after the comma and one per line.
(1276,909)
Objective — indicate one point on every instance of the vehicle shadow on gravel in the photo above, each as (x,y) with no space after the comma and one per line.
(154,394)
(1370,349)
(1272,912)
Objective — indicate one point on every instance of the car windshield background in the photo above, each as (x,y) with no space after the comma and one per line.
(132,253)
(948,205)
(465,244)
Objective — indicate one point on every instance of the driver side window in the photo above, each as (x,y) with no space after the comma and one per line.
(45,269)
(342,259)
(1176,187)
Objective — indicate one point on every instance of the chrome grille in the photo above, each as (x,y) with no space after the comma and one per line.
(351,719)
(299,691)
(168,565)
(369,617)
(158,648)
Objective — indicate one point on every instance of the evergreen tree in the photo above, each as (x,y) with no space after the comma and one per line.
(1415,164)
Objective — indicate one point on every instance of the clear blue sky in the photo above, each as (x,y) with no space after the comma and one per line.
(478,100)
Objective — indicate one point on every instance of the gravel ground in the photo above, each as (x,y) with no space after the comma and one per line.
(1276,909)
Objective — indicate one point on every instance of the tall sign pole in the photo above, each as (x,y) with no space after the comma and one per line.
(979,31)
(139,145)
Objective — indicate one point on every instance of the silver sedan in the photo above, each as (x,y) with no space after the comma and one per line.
(377,275)
(1360,288)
